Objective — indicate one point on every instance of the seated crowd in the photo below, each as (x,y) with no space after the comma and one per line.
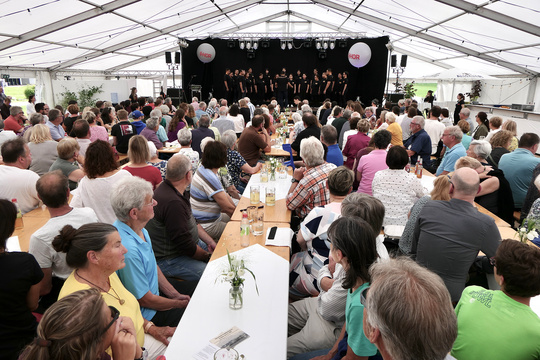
(380,265)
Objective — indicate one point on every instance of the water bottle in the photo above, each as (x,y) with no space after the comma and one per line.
(244,230)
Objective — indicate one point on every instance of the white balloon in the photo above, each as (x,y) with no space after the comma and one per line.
(359,54)
(206,52)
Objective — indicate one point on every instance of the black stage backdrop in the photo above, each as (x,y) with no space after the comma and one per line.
(367,82)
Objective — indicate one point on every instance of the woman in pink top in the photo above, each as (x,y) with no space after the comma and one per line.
(373,162)
(96,132)
(139,154)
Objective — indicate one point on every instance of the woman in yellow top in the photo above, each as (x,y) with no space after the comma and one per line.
(395,129)
(95,251)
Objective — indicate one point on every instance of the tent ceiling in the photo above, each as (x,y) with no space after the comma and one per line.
(496,36)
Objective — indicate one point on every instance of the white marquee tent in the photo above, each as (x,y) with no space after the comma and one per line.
(51,39)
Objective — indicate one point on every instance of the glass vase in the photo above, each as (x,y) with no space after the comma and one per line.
(273,175)
(236,297)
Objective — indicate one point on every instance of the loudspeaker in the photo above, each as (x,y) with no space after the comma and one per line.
(394,61)
(231,44)
(168,57)
(307,44)
(322,54)
(342,43)
(251,54)
(177,57)
(176,95)
(265,44)
(403,60)
(394,98)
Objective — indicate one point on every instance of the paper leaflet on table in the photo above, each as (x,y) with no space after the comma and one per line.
(12,244)
(227,339)
(283,237)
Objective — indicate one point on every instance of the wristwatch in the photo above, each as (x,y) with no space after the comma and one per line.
(144,354)
(293,180)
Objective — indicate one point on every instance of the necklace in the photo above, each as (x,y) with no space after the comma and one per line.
(121,301)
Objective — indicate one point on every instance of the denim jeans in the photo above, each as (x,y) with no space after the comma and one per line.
(183,267)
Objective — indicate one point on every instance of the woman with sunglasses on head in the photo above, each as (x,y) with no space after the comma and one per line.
(353,246)
(82,326)
(96,252)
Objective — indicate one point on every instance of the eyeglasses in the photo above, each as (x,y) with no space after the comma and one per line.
(363,296)
(115,315)
(152,203)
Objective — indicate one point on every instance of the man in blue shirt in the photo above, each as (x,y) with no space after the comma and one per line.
(419,143)
(54,124)
(518,166)
(329,138)
(451,138)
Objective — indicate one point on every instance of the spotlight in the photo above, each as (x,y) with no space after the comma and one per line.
(242,44)
(283,45)
(248,45)
(318,45)
(289,45)
(255,45)
(325,45)
(332,45)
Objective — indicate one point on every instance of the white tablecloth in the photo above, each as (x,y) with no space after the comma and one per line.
(282,186)
(263,317)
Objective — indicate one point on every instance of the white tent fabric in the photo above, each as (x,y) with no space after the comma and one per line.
(497,37)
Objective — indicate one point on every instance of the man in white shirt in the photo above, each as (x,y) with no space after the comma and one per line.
(17,182)
(223,123)
(434,128)
(53,190)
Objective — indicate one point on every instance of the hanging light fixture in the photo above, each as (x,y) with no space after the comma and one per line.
(283,45)
(242,45)
(289,45)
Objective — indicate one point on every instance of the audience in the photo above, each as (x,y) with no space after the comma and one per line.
(81,132)
(465,127)
(482,313)
(237,119)
(100,132)
(312,237)
(95,252)
(236,164)
(94,188)
(223,123)
(449,234)
(123,131)
(451,138)
(518,166)
(353,130)
(482,128)
(418,145)
(408,313)
(19,289)
(396,188)
(139,155)
(155,161)
(500,142)
(369,164)
(356,143)
(82,326)
(308,189)
(17,181)
(68,161)
(212,206)
(55,124)
(494,126)
(177,123)
(311,128)
(511,125)
(251,142)
(149,132)
(141,275)
(329,139)
(53,190)
(43,149)
(202,132)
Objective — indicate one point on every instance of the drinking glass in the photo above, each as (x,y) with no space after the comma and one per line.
(254,197)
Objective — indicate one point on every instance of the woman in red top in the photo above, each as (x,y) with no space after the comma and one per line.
(139,154)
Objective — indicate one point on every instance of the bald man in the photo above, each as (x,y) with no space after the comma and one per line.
(449,234)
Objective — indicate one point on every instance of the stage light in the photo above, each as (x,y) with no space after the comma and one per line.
(289,45)
(242,45)
(248,45)
(332,45)
(318,45)
(325,45)
(255,45)
(283,45)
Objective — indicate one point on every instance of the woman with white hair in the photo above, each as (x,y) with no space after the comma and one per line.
(298,126)
(395,129)
(236,164)
(43,149)
(149,132)
(162,125)
(184,139)
(534,212)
